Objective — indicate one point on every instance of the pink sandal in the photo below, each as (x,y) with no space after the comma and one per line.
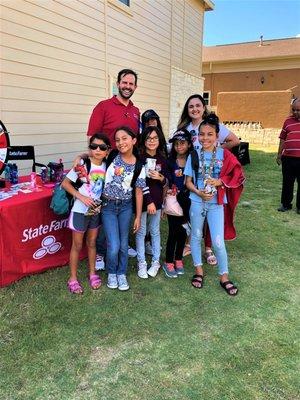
(75,287)
(210,258)
(95,281)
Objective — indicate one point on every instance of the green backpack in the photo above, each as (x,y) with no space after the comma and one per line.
(62,201)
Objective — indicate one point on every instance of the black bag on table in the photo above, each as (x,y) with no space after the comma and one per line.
(242,153)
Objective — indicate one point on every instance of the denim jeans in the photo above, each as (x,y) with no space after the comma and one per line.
(116,218)
(153,222)
(101,241)
(215,219)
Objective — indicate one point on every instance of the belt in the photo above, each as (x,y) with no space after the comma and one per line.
(114,200)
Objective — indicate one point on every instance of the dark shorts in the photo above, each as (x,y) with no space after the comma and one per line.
(81,223)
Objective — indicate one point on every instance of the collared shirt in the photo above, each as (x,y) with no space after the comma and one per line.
(109,114)
(290,133)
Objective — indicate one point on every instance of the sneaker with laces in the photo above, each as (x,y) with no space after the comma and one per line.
(131,252)
(100,264)
(187,227)
(179,267)
(112,281)
(142,270)
(122,282)
(148,248)
(153,270)
(169,270)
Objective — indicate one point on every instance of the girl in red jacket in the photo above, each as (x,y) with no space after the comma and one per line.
(215,186)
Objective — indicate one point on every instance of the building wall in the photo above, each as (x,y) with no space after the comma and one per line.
(251,80)
(269,108)
(59,58)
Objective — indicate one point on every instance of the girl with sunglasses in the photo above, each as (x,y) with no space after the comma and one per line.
(85,213)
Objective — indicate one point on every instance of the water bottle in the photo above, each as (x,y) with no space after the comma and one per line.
(13,176)
(33,180)
(44,174)
(7,172)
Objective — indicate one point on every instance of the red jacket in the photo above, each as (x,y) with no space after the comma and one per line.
(233,178)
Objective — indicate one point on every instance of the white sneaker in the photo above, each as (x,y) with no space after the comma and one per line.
(142,270)
(148,248)
(153,270)
(131,252)
(122,282)
(112,281)
(100,264)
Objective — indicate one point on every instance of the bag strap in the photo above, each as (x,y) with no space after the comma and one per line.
(195,165)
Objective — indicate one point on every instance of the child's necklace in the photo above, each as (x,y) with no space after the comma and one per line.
(206,172)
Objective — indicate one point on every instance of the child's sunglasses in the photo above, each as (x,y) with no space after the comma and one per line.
(102,146)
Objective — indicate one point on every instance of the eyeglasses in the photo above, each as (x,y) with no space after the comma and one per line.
(102,147)
(152,139)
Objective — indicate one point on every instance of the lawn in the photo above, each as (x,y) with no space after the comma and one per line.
(163,339)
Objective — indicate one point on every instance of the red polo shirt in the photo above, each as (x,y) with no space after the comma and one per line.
(110,114)
(290,133)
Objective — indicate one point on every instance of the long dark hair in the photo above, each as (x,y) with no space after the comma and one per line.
(185,119)
(129,132)
(155,116)
(173,153)
(162,141)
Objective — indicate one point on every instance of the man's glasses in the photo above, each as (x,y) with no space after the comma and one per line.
(152,139)
(102,147)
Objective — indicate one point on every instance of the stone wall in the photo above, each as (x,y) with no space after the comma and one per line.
(255,134)
(183,85)
(269,108)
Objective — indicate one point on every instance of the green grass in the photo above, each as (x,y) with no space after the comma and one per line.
(163,339)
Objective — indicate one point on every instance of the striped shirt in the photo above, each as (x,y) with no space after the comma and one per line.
(290,133)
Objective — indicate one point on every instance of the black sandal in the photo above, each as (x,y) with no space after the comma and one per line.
(200,281)
(230,288)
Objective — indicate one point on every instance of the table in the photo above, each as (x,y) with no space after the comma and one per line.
(32,238)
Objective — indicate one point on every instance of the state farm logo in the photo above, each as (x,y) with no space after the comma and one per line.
(49,246)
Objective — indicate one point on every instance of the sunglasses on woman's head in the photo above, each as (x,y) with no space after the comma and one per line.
(102,146)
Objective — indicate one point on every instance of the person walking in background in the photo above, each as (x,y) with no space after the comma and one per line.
(125,178)
(181,148)
(153,156)
(194,111)
(215,180)
(106,117)
(85,217)
(289,158)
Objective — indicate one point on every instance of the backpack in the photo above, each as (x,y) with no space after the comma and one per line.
(62,201)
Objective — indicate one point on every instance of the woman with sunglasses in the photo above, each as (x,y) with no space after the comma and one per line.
(85,213)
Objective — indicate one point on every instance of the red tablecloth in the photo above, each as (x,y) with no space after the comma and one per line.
(32,237)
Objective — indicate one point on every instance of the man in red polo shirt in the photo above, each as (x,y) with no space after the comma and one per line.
(289,157)
(106,117)
(118,110)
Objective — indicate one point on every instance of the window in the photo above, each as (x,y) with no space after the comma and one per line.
(206,97)
(126,2)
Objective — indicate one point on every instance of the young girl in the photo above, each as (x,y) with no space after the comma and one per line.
(152,155)
(193,113)
(122,177)
(181,147)
(85,215)
(216,180)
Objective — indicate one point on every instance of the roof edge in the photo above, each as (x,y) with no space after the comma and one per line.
(208,5)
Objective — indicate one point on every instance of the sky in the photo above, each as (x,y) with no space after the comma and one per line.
(235,21)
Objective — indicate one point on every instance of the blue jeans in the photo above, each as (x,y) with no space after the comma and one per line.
(153,222)
(116,218)
(215,220)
